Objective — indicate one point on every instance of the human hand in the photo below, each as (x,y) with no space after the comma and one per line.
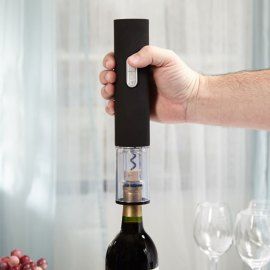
(175,84)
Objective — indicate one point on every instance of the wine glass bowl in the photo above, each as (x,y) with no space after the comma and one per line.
(259,205)
(252,237)
(212,229)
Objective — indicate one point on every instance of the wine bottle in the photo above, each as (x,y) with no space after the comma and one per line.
(132,248)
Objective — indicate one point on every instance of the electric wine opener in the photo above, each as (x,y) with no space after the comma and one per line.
(132,113)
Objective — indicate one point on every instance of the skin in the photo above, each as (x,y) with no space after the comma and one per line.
(180,94)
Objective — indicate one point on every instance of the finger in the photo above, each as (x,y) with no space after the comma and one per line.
(151,55)
(107,91)
(106,76)
(102,75)
(110,107)
(109,61)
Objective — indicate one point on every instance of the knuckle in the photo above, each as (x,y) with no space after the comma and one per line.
(102,92)
(110,56)
(108,76)
(102,76)
(113,74)
(171,52)
(107,57)
(147,49)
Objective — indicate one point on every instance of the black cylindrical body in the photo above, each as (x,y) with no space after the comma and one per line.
(131,103)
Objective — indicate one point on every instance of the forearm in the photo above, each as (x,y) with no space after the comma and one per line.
(238,99)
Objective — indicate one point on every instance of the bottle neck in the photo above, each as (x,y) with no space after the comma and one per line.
(132,221)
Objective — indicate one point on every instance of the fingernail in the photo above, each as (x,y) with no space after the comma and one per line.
(134,59)
(106,64)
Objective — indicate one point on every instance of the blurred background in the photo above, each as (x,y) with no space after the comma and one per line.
(57,156)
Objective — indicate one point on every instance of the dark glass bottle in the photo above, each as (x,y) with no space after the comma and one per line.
(132,248)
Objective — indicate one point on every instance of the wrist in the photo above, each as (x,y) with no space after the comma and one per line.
(193,113)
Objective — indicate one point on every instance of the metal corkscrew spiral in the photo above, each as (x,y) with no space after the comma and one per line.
(132,161)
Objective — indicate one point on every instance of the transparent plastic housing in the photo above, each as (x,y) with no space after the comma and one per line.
(132,177)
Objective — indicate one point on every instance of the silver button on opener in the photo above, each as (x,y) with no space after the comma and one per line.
(131,75)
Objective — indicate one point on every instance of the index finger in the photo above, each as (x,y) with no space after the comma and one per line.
(109,61)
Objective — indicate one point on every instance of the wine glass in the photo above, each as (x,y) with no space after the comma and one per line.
(252,237)
(213,230)
(259,205)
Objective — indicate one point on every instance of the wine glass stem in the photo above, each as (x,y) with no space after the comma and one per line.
(213,264)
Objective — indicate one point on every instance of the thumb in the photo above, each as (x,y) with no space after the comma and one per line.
(151,55)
